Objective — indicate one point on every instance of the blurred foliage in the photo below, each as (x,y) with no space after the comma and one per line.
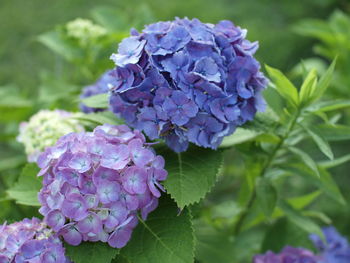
(334,40)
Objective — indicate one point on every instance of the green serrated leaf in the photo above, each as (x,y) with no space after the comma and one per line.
(25,191)
(322,144)
(191,174)
(284,87)
(305,158)
(298,219)
(266,196)
(99,101)
(91,252)
(166,236)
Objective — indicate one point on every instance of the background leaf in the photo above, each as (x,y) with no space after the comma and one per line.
(99,118)
(283,85)
(213,245)
(298,219)
(325,182)
(322,144)
(306,159)
(99,101)
(241,135)
(25,191)
(61,46)
(266,195)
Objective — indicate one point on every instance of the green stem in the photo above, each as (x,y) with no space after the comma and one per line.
(240,221)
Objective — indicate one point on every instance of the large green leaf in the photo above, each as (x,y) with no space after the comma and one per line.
(191,174)
(284,87)
(91,252)
(25,191)
(166,236)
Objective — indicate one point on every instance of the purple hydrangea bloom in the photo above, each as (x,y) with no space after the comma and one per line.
(102,85)
(30,241)
(186,81)
(335,249)
(287,255)
(96,182)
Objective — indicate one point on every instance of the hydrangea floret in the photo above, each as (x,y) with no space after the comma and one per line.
(102,85)
(44,129)
(84,30)
(187,81)
(96,183)
(335,248)
(288,254)
(30,241)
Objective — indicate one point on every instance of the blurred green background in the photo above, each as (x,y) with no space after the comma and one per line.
(268,21)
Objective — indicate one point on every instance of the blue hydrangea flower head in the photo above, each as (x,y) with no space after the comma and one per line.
(102,85)
(335,249)
(287,255)
(95,183)
(187,81)
(30,241)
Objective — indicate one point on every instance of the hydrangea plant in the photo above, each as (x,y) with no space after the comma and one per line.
(186,81)
(43,129)
(95,183)
(30,241)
